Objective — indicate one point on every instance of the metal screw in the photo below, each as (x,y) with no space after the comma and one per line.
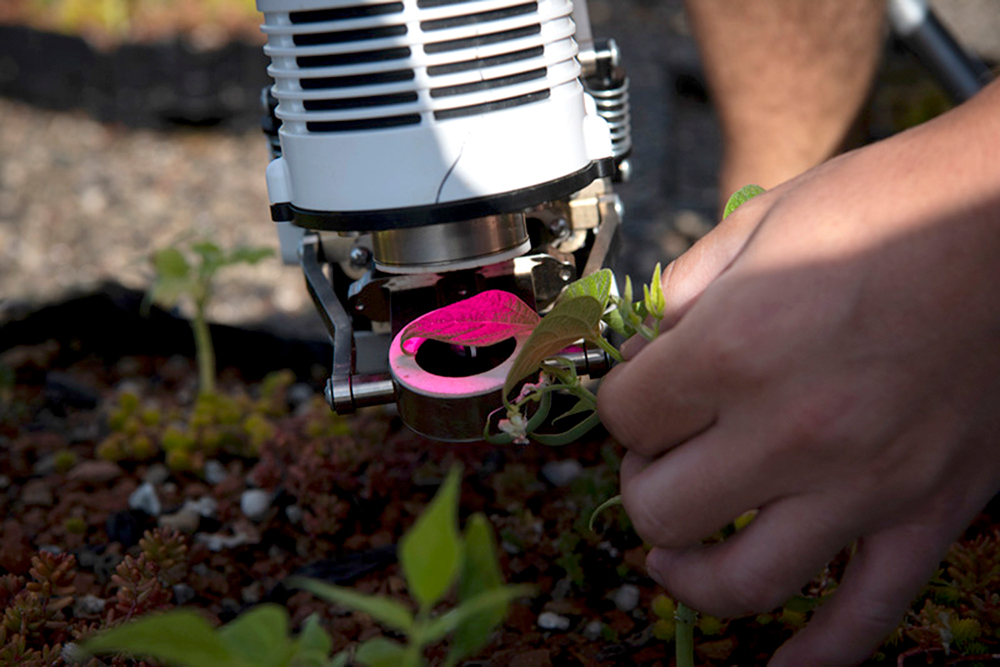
(360,256)
(559,228)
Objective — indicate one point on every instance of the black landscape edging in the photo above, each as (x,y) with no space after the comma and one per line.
(110,323)
(157,85)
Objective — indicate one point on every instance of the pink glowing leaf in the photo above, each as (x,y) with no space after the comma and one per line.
(566,323)
(484,319)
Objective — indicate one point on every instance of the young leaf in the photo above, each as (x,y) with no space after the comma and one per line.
(485,601)
(596,285)
(389,613)
(740,197)
(616,321)
(260,636)
(209,252)
(654,301)
(431,551)
(382,652)
(248,255)
(484,319)
(170,263)
(566,323)
(180,637)
(313,645)
(481,572)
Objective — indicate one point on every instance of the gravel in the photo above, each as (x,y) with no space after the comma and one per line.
(144,498)
(82,203)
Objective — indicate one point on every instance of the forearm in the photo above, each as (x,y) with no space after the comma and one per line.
(787,78)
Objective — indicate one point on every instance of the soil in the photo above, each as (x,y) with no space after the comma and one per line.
(340,493)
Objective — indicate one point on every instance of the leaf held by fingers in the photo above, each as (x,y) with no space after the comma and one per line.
(740,197)
(484,319)
(566,323)
(596,285)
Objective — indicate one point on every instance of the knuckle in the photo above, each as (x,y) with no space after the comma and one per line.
(815,421)
(731,352)
(649,519)
(629,430)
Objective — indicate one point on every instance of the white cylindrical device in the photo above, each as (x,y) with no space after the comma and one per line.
(415,112)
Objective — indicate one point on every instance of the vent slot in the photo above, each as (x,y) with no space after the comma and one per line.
(341,59)
(483,40)
(359,102)
(372,79)
(510,102)
(425,4)
(363,124)
(482,63)
(345,13)
(343,36)
(488,84)
(482,17)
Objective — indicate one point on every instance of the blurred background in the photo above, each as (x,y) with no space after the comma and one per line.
(130,125)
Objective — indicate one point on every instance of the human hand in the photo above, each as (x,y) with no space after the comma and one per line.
(830,356)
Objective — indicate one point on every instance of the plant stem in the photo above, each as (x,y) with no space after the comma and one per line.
(684,635)
(608,347)
(204,352)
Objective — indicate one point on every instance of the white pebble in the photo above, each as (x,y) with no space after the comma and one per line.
(205,506)
(626,598)
(255,503)
(562,473)
(548,620)
(593,630)
(215,472)
(294,513)
(144,498)
(88,605)
(183,594)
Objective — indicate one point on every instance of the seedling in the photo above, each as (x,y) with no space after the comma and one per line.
(177,279)
(435,559)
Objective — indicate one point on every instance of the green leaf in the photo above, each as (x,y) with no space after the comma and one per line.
(614,319)
(596,285)
(167,291)
(431,551)
(181,637)
(208,251)
(740,197)
(566,323)
(582,406)
(484,319)
(481,572)
(389,613)
(342,659)
(381,652)
(259,636)
(484,602)
(170,263)
(248,255)
(654,300)
(313,644)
